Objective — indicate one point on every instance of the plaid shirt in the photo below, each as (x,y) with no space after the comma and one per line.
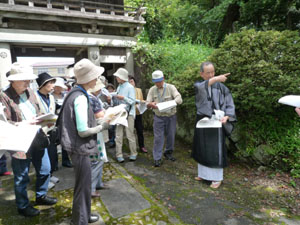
(10,99)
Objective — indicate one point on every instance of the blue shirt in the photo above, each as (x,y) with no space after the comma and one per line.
(127,90)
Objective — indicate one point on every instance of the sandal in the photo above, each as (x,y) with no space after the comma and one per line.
(215,184)
(198,178)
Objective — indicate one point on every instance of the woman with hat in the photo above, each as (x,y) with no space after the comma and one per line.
(23,107)
(97,160)
(59,95)
(78,135)
(59,92)
(125,95)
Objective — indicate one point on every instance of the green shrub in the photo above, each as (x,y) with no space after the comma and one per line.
(264,66)
(180,64)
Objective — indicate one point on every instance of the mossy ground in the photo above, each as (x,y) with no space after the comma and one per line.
(61,212)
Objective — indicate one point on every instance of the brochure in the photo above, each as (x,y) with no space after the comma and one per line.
(165,106)
(16,138)
(47,117)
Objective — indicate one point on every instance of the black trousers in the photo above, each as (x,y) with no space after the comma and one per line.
(81,209)
(138,125)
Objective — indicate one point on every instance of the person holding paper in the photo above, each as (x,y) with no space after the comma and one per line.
(164,123)
(97,160)
(47,105)
(125,95)
(138,122)
(209,148)
(78,128)
(23,107)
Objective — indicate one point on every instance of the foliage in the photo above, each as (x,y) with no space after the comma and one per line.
(208,21)
(180,65)
(264,66)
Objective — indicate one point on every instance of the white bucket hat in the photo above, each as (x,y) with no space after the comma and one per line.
(99,86)
(21,72)
(122,74)
(157,76)
(60,82)
(85,71)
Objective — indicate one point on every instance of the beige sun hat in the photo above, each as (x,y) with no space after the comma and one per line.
(99,85)
(21,72)
(85,71)
(122,74)
(60,82)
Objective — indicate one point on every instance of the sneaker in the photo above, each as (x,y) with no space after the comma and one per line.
(169,156)
(29,211)
(7,173)
(157,163)
(93,218)
(51,185)
(132,158)
(95,194)
(54,179)
(120,159)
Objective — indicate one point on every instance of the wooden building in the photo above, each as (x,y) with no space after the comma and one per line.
(101,30)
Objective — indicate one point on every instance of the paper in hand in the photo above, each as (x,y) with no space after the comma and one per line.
(291,100)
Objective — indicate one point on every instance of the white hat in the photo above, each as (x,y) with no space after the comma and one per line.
(157,76)
(99,85)
(60,82)
(122,74)
(21,72)
(85,71)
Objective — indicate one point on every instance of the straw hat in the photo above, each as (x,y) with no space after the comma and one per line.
(122,74)
(85,71)
(21,72)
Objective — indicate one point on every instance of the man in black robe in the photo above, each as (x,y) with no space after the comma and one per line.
(209,148)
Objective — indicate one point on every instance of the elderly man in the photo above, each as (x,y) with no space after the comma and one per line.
(209,143)
(126,95)
(78,135)
(22,107)
(164,123)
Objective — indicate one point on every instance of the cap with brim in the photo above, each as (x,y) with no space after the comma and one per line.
(60,82)
(99,85)
(157,76)
(21,72)
(85,71)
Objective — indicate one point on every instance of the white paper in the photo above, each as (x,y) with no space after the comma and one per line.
(116,115)
(48,116)
(165,106)
(208,123)
(219,114)
(291,100)
(141,106)
(16,138)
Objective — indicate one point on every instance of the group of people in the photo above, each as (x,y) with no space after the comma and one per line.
(81,123)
